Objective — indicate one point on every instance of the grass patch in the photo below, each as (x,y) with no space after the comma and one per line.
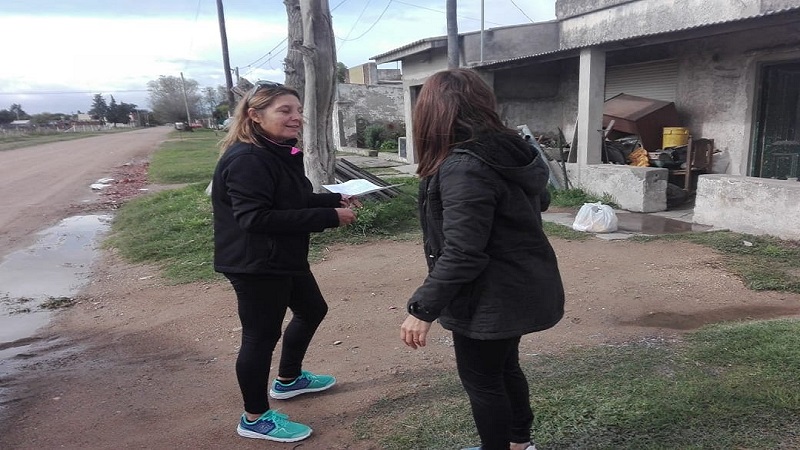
(727,386)
(556,230)
(172,229)
(11,142)
(571,198)
(190,159)
(762,262)
(387,219)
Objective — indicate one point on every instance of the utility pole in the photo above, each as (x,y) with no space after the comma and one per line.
(186,100)
(482,30)
(225,60)
(453,53)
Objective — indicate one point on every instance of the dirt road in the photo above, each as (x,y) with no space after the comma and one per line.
(43,184)
(141,363)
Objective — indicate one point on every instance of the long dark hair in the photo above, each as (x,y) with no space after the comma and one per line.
(242,128)
(453,107)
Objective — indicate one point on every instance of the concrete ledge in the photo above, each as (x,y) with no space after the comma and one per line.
(749,205)
(389,156)
(638,189)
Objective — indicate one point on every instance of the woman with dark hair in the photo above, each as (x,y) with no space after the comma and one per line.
(492,274)
(264,211)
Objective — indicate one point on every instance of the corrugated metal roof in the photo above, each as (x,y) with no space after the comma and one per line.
(638,36)
(461,35)
(407,46)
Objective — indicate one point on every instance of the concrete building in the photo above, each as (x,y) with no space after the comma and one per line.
(372,96)
(731,68)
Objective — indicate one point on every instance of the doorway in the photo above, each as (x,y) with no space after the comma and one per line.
(776,150)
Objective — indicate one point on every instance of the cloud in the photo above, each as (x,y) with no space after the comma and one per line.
(116,49)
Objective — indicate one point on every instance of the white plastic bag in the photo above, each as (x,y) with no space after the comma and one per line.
(595,218)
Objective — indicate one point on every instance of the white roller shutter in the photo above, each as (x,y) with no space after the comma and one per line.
(657,80)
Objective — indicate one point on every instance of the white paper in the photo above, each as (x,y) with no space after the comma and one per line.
(355,187)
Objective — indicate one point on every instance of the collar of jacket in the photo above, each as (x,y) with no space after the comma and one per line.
(285,147)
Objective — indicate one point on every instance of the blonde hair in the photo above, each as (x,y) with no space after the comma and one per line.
(242,128)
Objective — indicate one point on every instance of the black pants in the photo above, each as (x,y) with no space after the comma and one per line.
(262,301)
(497,390)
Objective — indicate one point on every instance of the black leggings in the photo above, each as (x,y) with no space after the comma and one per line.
(262,301)
(497,390)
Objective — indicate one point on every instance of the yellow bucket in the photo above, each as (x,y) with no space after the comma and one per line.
(675,137)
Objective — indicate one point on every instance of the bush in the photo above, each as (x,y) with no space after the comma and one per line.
(374,136)
(389,145)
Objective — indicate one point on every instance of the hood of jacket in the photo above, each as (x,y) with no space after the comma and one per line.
(511,157)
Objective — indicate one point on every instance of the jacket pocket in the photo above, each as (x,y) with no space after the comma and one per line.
(260,248)
(465,303)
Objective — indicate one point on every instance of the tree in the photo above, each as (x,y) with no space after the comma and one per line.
(127,109)
(47,118)
(19,114)
(114,115)
(213,98)
(341,72)
(99,108)
(167,101)
(319,64)
(7,116)
(293,64)
(119,113)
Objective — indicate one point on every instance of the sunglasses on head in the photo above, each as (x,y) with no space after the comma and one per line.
(261,84)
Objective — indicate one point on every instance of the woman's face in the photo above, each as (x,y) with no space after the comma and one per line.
(282,120)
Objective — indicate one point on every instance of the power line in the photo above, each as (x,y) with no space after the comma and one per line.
(370,27)
(281,43)
(444,12)
(271,56)
(520,10)
(340,4)
(266,54)
(279,52)
(357,19)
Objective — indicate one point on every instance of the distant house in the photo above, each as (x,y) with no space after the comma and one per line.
(21,124)
(732,70)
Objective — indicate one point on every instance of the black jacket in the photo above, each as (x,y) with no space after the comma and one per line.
(492,271)
(264,210)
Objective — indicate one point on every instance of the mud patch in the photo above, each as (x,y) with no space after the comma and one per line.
(678,321)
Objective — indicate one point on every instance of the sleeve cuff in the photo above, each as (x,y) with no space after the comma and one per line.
(420,312)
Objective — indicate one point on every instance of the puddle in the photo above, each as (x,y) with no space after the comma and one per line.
(652,224)
(52,270)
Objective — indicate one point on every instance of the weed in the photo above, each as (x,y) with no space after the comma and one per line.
(57,303)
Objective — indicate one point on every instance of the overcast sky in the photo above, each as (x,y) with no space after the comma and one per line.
(58,54)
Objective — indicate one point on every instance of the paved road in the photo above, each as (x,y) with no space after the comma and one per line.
(40,185)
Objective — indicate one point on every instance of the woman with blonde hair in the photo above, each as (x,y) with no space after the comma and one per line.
(264,212)
(492,274)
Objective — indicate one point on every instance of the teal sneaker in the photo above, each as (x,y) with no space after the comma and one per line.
(273,426)
(305,383)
